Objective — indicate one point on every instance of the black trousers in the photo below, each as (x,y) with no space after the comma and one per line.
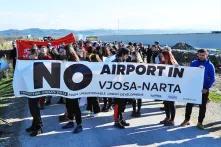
(136,103)
(107,102)
(33,104)
(148,59)
(14,63)
(93,104)
(73,109)
(170,109)
(119,107)
(202,109)
(143,57)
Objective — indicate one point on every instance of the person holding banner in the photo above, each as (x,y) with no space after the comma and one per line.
(33,103)
(62,55)
(166,57)
(120,103)
(104,53)
(44,55)
(209,79)
(72,105)
(93,102)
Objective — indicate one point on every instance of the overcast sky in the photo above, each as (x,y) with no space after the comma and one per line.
(111,14)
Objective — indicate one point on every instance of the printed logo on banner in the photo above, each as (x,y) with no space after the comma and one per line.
(26,53)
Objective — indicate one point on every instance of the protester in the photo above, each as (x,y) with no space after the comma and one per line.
(148,54)
(72,105)
(169,106)
(96,52)
(136,103)
(33,103)
(92,102)
(80,50)
(155,54)
(209,79)
(44,55)
(14,54)
(104,53)
(62,55)
(33,53)
(87,45)
(119,103)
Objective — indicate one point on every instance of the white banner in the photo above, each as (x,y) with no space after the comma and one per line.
(36,78)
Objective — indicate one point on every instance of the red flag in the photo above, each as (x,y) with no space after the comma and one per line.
(23,46)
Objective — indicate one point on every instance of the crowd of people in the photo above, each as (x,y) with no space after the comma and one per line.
(131,52)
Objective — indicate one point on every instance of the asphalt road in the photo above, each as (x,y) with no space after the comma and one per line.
(98,131)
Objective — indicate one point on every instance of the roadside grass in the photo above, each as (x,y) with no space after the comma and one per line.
(6,89)
(6,92)
(215,96)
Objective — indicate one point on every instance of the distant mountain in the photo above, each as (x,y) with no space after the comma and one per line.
(216,32)
(36,32)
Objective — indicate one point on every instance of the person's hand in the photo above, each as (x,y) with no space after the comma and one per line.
(204,91)
(176,65)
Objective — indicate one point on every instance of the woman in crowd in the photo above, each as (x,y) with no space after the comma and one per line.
(105,52)
(95,53)
(169,106)
(72,105)
(136,103)
(92,102)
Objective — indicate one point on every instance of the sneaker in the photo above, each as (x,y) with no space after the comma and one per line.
(124,123)
(30,129)
(63,118)
(138,114)
(200,126)
(68,125)
(78,129)
(185,123)
(164,121)
(87,112)
(36,132)
(169,123)
(94,114)
(119,125)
